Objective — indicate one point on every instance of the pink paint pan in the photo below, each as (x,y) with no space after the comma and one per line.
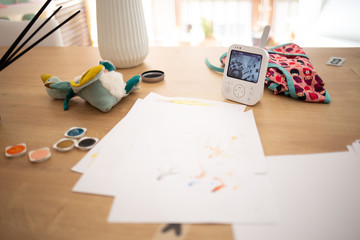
(39,155)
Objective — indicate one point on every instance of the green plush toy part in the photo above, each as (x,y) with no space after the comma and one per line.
(101,86)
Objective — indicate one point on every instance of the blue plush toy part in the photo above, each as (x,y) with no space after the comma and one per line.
(55,87)
(101,86)
(132,84)
(108,65)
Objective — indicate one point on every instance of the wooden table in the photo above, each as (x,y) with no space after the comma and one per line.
(36,200)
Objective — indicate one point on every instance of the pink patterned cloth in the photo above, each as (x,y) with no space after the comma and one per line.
(291,73)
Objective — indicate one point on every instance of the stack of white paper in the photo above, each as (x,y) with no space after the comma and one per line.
(355,147)
(181,160)
(318,197)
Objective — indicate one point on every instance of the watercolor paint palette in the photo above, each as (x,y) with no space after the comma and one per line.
(39,155)
(65,144)
(75,132)
(15,151)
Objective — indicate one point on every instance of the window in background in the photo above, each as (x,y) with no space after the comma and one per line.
(328,23)
(76,31)
(215,22)
(224,22)
(218,22)
(202,22)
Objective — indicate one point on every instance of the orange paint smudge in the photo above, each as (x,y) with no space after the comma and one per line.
(218,188)
(222,185)
(216,151)
(201,175)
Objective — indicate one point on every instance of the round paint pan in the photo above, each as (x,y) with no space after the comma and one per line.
(64,144)
(39,155)
(86,143)
(15,151)
(75,132)
(152,76)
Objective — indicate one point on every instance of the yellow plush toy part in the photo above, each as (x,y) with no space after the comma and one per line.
(91,74)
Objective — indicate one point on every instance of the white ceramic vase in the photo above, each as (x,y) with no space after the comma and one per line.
(122,35)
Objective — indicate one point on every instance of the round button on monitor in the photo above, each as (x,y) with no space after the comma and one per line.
(239,91)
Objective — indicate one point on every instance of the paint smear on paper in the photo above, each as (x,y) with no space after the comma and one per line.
(189,102)
(220,186)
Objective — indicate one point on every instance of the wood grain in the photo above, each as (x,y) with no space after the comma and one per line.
(36,200)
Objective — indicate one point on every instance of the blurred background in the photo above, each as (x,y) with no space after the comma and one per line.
(309,23)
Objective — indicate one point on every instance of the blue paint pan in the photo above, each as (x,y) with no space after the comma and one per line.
(75,132)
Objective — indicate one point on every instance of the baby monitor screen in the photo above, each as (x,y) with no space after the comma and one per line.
(244,66)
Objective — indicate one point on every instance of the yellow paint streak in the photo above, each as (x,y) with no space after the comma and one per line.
(189,102)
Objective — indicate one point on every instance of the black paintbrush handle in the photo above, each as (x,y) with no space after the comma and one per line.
(33,34)
(22,34)
(7,63)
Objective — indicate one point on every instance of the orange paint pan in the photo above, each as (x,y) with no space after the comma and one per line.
(15,151)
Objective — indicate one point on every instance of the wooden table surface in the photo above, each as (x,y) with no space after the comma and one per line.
(36,200)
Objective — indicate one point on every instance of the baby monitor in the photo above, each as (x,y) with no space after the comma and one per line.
(244,74)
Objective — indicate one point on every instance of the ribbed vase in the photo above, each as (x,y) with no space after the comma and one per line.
(122,35)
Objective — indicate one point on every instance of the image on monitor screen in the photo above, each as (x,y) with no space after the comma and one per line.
(244,66)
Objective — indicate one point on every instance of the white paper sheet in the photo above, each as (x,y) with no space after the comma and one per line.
(121,128)
(100,173)
(182,160)
(318,197)
(131,117)
(100,177)
(240,139)
(356,147)
(251,201)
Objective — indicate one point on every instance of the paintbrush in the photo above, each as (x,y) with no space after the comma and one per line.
(22,34)
(10,57)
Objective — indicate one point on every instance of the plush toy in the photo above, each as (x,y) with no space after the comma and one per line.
(101,86)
